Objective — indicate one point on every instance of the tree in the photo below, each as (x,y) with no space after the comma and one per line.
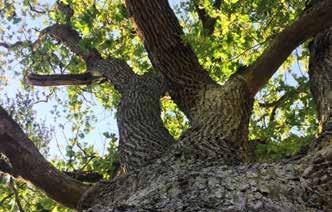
(210,166)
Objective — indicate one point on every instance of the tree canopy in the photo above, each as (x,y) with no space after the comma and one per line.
(50,44)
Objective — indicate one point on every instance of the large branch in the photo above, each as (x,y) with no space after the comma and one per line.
(143,136)
(62,79)
(308,25)
(14,45)
(70,37)
(118,72)
(28,163)
(161,33)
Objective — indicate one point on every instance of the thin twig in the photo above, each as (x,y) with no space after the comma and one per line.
(17,198)
(5,198)
(36,10)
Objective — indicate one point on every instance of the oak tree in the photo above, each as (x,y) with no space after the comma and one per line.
(213,64)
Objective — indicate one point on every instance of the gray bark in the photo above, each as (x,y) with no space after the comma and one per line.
(176,183)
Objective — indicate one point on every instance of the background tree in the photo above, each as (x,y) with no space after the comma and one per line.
(202,122)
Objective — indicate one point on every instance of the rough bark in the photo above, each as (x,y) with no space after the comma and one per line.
(62,79)
(220,125)
(203,171)
(191,178)
(320,70)
(143,136)
(178,183)
(161,34)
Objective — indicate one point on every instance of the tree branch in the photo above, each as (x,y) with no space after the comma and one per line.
(28,163)
(62,79)
(14,45)
(71,39)
(118,72)
(276,104)
(161,33)
(140,99)
(91,177)
(17,198)
(312,22)
(208,22)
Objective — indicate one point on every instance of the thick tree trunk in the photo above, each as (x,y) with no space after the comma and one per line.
(177,183)
(204,171)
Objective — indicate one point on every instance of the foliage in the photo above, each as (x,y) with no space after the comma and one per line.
(243,30)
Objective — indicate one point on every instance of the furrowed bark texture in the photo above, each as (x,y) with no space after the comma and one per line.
(202,100)
(220,127)
(62,79)
(29,164)
(320,71)
(161,34)
(143,136)
(194,177)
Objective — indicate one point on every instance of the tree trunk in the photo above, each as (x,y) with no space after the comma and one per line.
(204,171)
(178,183)
(320,71)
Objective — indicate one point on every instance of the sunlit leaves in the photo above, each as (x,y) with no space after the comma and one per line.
(174,120)
(287,125)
